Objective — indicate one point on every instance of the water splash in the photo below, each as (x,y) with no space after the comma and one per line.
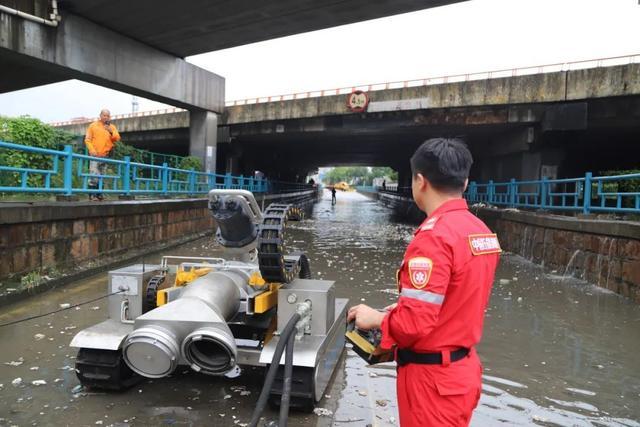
(570,264)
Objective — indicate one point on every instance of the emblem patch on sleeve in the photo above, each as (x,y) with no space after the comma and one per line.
(482,244)
(419,271)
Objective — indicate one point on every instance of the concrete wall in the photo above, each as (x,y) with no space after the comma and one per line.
(605,253)
(70,240)
(66,236)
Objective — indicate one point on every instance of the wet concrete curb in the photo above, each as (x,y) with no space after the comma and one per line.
(611,228)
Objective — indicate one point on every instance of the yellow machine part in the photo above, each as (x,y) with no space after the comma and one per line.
(165,296)
(184,277)
(267,299)
(256,279)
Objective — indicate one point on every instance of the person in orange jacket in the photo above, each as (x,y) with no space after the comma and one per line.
(99,140)
(444,285)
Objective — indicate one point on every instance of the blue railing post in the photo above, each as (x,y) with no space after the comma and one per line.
(192,181)
(491,192)
(471,190)
(68,170)
(126,184)
(227,180)
(241,182)
(165,178)
(586,202)
(512,192)
(544,191)
(251,184)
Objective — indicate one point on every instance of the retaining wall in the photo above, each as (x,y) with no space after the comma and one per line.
(603,252)
(65,240)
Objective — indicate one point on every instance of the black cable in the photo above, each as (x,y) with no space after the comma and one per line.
(285,399)
(289,329)
(58,311)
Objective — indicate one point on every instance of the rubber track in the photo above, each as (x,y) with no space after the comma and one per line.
(273,266)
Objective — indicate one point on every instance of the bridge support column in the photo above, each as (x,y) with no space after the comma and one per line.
(203,136)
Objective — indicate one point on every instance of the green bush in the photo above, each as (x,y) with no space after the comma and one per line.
(190,162)
(623,186)
(32,132)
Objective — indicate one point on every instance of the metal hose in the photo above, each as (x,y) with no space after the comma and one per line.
(287,332)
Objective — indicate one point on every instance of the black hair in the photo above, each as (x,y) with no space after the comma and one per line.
(444,162)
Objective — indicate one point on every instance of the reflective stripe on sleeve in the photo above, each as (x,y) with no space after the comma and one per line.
(424,296)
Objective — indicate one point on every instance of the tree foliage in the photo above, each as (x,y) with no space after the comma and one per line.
(358,175)
(32,132)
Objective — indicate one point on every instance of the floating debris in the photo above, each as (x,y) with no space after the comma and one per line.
(16,382)
(38,337)
(580,391)
(504,281)
(322,412)
(39,382)
(34,368)
(65,305)
(362,392)
(19,362)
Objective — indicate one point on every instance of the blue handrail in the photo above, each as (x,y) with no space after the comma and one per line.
(586,194)
(69,174)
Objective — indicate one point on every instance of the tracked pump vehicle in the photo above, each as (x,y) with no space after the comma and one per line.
(215,314)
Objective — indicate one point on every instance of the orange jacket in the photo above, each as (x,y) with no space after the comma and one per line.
(98,140)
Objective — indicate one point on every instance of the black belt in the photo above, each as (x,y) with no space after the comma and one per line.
(404,356)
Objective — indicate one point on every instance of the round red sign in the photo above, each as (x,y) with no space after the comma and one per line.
(357,101)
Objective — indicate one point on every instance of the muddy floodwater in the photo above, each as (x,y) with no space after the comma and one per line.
(556,351)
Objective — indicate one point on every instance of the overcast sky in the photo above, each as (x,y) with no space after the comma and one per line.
(473,36)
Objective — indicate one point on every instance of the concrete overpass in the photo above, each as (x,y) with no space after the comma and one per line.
(138,47)
(564,122)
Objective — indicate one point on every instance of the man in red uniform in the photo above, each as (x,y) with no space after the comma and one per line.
(444,282)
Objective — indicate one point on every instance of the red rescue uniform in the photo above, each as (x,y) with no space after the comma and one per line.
(444,281)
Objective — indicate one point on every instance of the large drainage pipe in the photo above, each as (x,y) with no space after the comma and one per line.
(193,327)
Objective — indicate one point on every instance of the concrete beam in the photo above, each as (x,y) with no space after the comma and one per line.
(203,134)
(80,49)
(561,86)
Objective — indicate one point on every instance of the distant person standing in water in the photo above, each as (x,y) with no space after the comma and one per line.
(333,195)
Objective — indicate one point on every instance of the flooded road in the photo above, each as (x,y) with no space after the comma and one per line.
(556,351)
